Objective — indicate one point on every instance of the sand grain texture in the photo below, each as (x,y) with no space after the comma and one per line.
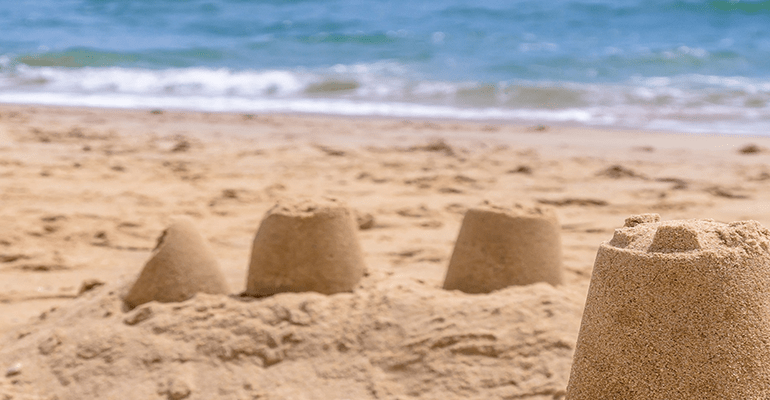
(181,265)
(677,309)
(498,247)
(389,342)
(305,246)
(85,192)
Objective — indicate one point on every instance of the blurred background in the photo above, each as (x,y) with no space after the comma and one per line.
(695,66)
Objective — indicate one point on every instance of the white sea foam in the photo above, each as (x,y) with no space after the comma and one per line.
(696,103)
(144,81)
(299,105)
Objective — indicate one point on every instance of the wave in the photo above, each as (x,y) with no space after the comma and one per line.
(696,103)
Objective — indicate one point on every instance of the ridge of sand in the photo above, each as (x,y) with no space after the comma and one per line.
(397,341)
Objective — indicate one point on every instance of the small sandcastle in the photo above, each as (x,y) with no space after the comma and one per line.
(181,265)
(677,310)
(499,247)
(305,246)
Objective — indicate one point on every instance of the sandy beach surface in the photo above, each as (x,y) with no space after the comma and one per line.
(85,193)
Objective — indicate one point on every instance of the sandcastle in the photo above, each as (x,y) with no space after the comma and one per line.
(181,265)
(499,247)
(677,310)
(305,246)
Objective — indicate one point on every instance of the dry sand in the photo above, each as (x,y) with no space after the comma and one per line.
(677,309)
(499,247)
(182,264)
(305,246)
(85,193)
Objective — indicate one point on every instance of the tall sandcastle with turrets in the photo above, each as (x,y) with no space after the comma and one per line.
(677,310)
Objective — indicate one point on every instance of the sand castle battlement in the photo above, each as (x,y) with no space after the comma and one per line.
(502,246)
(645,233)
(305,246)
(677,309)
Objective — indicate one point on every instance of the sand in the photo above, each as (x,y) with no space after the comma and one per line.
(500,246)
(85,193)
(182,265)
(305,246)
(677,309)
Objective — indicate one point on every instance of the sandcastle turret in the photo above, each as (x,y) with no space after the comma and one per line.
(677,310)
(181,265)
(500,247)
(305,246)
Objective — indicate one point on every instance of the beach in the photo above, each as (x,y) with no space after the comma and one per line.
(86,192)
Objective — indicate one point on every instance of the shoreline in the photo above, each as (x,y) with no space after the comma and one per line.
(411,130)
(532,123)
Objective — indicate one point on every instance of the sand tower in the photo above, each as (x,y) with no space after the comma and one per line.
(677,310)
(181,265)
(305,246)
(500,247)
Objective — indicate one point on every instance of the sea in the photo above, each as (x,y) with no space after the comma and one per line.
(670,65)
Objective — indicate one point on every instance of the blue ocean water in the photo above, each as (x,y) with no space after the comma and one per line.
(700,66)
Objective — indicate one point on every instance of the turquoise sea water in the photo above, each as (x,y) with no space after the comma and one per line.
(700,66)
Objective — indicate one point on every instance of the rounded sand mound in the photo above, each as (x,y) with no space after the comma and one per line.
(305,246)
(678,310)
(395,340)
(500,247)
(181,265)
